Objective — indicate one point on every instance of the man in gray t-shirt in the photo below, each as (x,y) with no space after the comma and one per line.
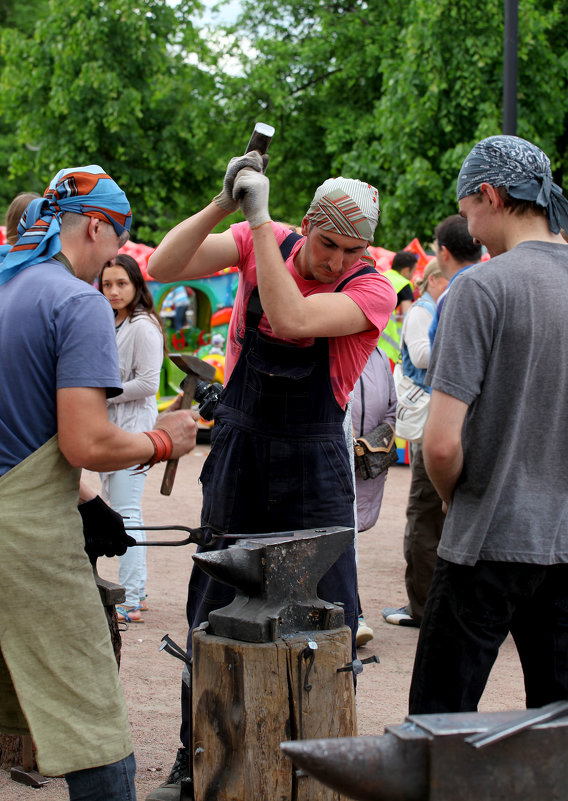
(496,441)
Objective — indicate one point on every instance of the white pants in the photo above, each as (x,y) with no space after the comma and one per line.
(122,491)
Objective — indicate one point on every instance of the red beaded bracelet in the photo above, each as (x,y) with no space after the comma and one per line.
(163,447)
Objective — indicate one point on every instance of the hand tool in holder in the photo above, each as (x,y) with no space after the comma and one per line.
(196,369)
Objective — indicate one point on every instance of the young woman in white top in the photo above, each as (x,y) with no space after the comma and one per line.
(140,341)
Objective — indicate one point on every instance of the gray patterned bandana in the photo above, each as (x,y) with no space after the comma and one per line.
(522,168)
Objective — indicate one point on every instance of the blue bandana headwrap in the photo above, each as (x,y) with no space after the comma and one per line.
(82,190)
(522,168)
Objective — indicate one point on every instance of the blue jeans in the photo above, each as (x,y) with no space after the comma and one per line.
(113,782)
(122,491)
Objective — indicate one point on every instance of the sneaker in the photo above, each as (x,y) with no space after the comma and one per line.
(400,617)
(170,790)
(364,632)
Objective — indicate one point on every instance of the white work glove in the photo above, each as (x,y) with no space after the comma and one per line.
(252,189)
(254,161)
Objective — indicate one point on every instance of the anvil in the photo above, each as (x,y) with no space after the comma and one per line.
(474,756)
(276,578)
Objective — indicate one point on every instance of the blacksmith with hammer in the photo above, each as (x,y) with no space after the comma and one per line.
(58,673)
(308,313)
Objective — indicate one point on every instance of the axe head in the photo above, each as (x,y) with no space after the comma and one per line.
(192,365)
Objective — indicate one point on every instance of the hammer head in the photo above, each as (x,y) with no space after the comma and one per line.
(193,366)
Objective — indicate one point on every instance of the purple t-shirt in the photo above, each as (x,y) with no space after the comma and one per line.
(55,331)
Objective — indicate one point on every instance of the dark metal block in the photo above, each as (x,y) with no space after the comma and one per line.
(276,580)
(434,758)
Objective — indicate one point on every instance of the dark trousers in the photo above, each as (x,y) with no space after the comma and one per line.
(469,612)
(424,523)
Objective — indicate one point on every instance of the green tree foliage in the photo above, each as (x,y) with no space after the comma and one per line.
(397,93)
(22,17)
(110,83)
(392,92)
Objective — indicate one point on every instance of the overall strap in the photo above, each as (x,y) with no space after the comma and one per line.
(363,271)
(287,244)
(254,307)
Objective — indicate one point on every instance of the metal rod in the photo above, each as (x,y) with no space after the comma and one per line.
(531,718)
(195,536)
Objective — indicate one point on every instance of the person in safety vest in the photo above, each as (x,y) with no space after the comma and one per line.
(402,266)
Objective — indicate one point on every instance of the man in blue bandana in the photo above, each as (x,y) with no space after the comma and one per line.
(496,441)
(58,364)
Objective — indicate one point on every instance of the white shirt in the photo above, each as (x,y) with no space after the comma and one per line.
(140,354)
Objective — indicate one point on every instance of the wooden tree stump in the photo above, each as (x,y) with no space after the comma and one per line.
(11,751)
(249,697)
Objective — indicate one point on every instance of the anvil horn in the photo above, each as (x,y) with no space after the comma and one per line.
(283,565)
(234,567)
(365,768)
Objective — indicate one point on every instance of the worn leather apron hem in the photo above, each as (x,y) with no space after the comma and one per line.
(58,673)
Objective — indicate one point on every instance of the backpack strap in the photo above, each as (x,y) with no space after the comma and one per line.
(362,405)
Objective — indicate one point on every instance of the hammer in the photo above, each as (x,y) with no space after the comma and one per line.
(196,369)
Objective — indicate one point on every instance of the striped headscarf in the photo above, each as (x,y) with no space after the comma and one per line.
(82,190)
(519,166)
(346,206)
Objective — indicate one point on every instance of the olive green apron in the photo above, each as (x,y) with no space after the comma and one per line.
(58,673)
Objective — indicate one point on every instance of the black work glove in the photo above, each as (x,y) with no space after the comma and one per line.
(103,529)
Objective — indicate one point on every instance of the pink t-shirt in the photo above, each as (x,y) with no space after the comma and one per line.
(348,355)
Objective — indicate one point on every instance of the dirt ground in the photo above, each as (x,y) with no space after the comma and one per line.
(151,678)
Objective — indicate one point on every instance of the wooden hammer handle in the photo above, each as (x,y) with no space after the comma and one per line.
(188,385)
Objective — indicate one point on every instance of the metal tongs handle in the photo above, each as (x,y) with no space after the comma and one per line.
(525,721)
(196,536)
